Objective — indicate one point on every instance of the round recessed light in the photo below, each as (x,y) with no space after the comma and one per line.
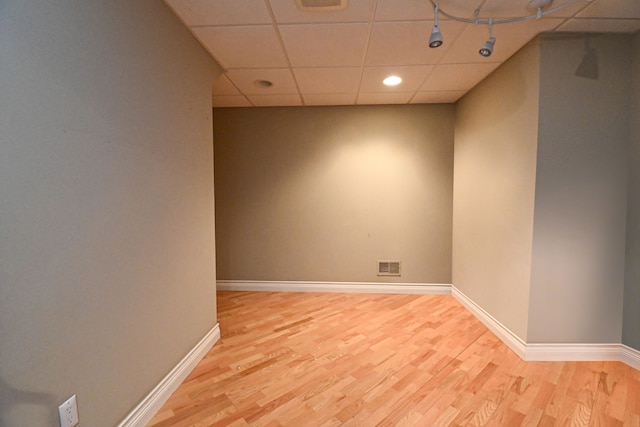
(265,84)
(392,81)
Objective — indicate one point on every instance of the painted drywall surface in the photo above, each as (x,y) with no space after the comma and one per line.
(494,181)
(107,273)
(631,313)
(580,212)
(323,193)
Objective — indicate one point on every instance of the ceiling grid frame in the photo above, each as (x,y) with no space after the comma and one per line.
(248,35)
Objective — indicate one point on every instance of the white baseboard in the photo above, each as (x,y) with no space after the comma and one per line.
(347,287)
(550,352)
(572,352)
(150,405)
(630,356)
(511,340)
(528,352)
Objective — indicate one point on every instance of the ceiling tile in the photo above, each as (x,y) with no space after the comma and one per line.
(460,8)
(325,45)
(243,47)
(330,99)
(438,97)
(230,101)
(281,78)
(412,78)
(509,39)
(601,25)
(286,11)
(501,9)
(221,12)
(384,98)
(407,42)
(223,86)
(274,100)
(335,55)
(457,76)
(403,10)
(328,80)
(612,9)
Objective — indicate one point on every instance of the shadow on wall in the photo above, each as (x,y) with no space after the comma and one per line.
(588,67)
(11,399)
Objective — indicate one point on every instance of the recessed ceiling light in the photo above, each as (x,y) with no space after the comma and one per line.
(321,5)
(392,81)
(265,84)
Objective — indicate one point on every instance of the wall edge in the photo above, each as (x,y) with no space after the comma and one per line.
(151,404)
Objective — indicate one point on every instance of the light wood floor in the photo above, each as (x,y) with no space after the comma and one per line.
(311,359)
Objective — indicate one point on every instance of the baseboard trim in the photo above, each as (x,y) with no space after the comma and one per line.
(347,287)
(511,340)
(528,352)
(550,352)
(150,405)
(630,356)
(572,352)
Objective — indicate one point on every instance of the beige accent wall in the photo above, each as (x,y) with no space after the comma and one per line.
(323,193)
(496,136)
(581,189)
(631,318)
(107,255)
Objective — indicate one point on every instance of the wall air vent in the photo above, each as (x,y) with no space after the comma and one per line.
(388,268)
(321,5)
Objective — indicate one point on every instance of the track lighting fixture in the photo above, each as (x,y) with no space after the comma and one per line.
(541,7)
(436,37)
(487,49)
(435,40)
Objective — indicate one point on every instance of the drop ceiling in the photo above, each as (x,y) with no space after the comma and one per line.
(341,57)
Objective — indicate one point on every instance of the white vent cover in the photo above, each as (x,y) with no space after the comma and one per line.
(321,5)
(388,268)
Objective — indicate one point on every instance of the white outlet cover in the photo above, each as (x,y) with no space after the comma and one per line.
(68,412)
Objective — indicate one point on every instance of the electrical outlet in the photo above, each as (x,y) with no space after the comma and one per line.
(69,412)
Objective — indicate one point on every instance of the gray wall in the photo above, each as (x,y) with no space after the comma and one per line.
(107,273)
(540,194)
(322,194)
(631,318)
(494,183)
(581,188)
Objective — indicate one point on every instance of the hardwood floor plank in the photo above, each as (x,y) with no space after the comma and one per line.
(313,359)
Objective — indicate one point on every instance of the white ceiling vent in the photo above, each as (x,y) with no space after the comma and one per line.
(321,5)
(388,268)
